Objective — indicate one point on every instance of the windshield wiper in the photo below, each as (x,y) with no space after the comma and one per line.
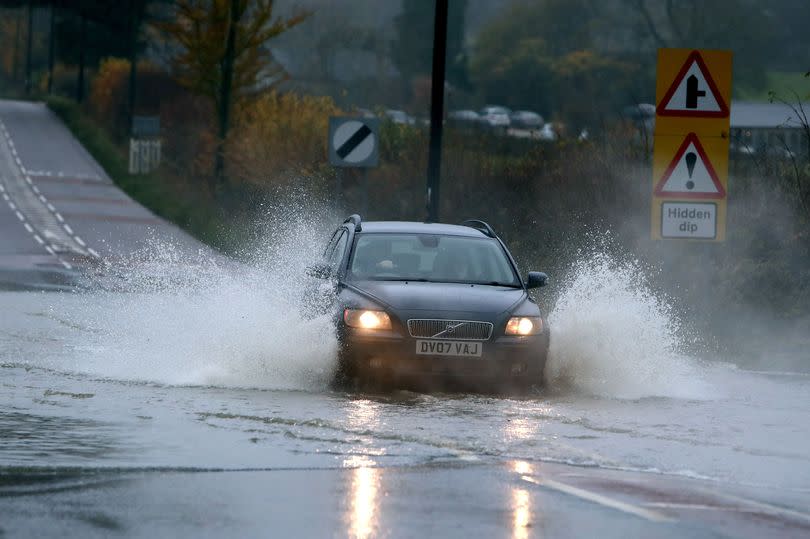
(498,283)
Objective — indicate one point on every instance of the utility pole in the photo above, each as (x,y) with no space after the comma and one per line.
(436,110)
(51,49)
(28,47)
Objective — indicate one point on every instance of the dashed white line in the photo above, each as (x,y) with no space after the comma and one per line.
(50,248)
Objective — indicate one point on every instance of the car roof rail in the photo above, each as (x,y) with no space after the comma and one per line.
(480,225)
(356,221)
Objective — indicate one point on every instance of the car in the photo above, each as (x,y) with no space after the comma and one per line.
(463,119)
(399,117)
(526,119)
(430,305)
(495,118)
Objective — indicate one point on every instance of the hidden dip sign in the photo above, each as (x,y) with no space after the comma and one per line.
(690,158)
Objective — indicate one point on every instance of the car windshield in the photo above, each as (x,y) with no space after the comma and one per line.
(432,258)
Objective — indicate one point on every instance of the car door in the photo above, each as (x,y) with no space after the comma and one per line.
(320,294)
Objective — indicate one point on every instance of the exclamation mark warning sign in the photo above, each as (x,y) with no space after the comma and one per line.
(690,174)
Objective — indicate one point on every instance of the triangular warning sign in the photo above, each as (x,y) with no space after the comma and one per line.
(693,93)
(690,174)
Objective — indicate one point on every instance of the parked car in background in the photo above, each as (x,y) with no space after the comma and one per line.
(526,119)
(495,117)
(548,132)
(463,119)
(399,117)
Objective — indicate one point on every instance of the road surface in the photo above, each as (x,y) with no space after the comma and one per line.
(192,400)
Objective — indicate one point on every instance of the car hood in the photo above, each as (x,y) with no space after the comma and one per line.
(446,297)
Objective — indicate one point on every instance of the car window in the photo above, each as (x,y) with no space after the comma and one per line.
(430,257)
(330,247)
(340,248)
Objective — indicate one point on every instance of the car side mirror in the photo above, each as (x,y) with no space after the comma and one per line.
(320,270)
(536,279)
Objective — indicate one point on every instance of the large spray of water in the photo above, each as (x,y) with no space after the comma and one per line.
(612,336)
(177,317)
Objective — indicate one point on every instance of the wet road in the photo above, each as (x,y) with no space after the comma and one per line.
(192,400)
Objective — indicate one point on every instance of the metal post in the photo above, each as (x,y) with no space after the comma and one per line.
(436,110)
(364,187)
(28,47)
(51,50)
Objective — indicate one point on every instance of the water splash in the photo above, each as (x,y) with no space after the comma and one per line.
(613,337)
(177,317)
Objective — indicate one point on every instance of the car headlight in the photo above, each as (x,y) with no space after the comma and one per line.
(365,319)
(524,325)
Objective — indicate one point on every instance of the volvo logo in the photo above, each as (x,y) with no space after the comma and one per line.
(449,329)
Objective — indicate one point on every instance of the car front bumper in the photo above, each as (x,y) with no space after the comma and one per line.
(391,358)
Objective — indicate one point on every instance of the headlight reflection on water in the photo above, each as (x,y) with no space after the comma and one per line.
(364,503)
(521,503)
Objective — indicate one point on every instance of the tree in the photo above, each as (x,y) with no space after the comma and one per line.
(222,55)
(540,56)
(412,50)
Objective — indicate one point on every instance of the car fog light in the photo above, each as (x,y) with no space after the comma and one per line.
(361,318)
(524,325)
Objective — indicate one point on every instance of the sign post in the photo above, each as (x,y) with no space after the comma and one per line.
(690,157)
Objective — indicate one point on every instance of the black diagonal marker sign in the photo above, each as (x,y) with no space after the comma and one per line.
(353,142)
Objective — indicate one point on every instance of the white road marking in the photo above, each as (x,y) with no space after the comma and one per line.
(766,507)
(571,490)
(93,252)
(27,176)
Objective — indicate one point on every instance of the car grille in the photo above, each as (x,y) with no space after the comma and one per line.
(457,330)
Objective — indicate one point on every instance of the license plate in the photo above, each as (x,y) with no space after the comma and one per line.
(449,348)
